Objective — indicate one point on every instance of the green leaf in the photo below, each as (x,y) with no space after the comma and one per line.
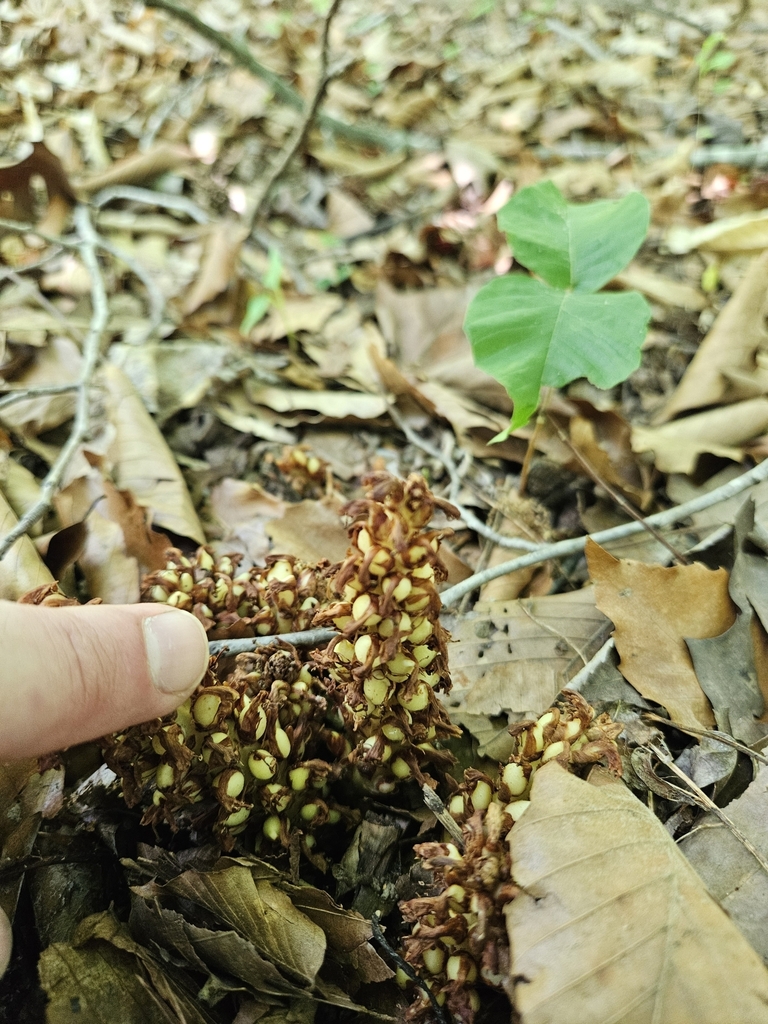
(573,246)
(274,274)
(527,335)
(254,312)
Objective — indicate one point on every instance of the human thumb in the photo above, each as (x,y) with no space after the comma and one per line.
(75,673)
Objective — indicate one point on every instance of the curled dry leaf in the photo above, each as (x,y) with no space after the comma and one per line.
(139,167)
(653,610)
(731,344)
(218,265)
(678,445)
(613,926)
(747,231)
(143,462)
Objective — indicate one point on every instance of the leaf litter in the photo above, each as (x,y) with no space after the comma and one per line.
(240,327)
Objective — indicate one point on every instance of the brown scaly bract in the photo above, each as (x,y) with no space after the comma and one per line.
(390,660)
(459,936)
(263,739)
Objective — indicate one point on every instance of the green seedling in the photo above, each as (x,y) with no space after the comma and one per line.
(271,294)
(546,330)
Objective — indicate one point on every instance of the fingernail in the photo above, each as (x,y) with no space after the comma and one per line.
(177,651)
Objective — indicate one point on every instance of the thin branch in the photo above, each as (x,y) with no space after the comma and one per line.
(576,544)
(468,516)
(707,804)
(155,296)
(34,292)
(615,495)
(20,228)
(721,737)
(306,638)
(149,197)
(91,348)
(443,815)
(368,134)
(17,394)
(407,969)
(310,112)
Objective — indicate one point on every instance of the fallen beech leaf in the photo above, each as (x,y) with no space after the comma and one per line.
(143,462)
(58,363)
(244,509)
(677,445)
(505,658)
(100,979)
(261,913)
(653,610)
(139,167)
(613,926)
(296,314)
(731,344)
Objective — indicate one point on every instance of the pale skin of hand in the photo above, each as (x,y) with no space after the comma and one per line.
(73,674)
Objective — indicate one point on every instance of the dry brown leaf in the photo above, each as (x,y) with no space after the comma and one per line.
(514,656)
(244,509)
(731,344)
(612,925)
(143,463)
(218,265)
(653,610)
(678,445)
(311,531)
(604,440)
(296,314)
(139,167)
(728,869)
(58,363)
(347,216)
(22,569)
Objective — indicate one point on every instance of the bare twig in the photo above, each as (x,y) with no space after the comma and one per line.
(149,197)
(91,347)
(20,228)
(310,112)
(721,737)
(155,296)
(443,815)
(368,134)
(34,292)
(17,394)
(407,969)
(574,35)
(570,547)
(615,495)
(706,804)
(466,514)
(306,638)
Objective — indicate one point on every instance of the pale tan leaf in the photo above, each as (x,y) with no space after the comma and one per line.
(296,314)
(143,463)
(653,610)
(217,267)
(678,445)
(22,569)
(612,925)
(138,167)
(309,404)
(58,363)
(728,869)
(729,234)
(311,531)
(731,344)
(506,657)
(661,288)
